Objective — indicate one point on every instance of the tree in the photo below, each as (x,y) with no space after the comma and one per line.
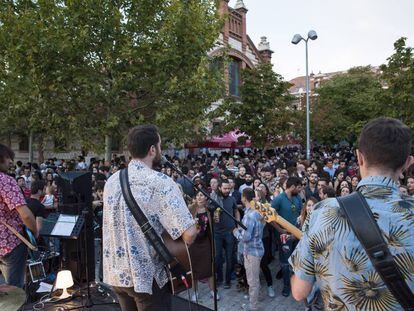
(345,104)
(398,75)
(263,111)
(103,66)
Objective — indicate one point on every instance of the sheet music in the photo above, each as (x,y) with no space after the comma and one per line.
(65,224)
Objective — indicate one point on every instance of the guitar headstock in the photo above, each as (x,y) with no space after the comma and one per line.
(265,209)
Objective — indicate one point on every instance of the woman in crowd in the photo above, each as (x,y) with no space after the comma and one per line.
(306,210)
(200,250)
(268,233)
(354,183)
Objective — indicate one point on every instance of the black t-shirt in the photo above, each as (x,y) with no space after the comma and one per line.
(37,208)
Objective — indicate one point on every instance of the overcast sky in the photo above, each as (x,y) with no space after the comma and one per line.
(351,33)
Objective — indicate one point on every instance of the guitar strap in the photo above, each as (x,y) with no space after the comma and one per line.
(366,229)
(153,238)
(20,236)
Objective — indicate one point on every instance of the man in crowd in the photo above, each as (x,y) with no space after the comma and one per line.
(270,180)
(288,205)
(326,192)
(247,184)
(241,177)
(33,203)
(185,183)
(233,192)
(311,189)
(329,168)
(252,246)
(14,212)
(341,268)
(223,228)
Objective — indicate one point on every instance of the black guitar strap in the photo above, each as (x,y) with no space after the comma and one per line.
(154,239)
(366,229)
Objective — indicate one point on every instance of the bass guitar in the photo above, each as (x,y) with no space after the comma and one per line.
(270,215)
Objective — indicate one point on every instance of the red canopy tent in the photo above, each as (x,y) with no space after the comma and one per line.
(228,140)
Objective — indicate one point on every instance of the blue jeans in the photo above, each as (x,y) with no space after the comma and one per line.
(13,266)
(284,254)
(224,240)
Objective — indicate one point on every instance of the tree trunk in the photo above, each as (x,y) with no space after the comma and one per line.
(108,147)
(31,147)
(9,140)
(40,150)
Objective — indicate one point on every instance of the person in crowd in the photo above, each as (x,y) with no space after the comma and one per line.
(48,200)
(270,180)
(288,205)
(231,167)
(253,249)
(27,176)
(311,190)
(213,185)
(348,279)
(344,191)
(240,178)
(200,250)
(354,182)
(329,168)
(326,192)
(403,190)
(268,233)
(410,186)
(247,184)
(34,204)
(223,226)
(185,182)
(233,192)
(256,183)
(304,214)
(15,213)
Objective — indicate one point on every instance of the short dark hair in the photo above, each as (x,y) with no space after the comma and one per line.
(5,152)
(385,142)
(293,181)
(185,170)
(248,194)
(328,190)
(222,181)
(36,185)
(141,138)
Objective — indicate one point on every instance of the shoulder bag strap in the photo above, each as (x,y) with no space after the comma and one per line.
(366,229)
(142,220)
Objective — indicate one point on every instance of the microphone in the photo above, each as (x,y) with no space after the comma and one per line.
(165,162)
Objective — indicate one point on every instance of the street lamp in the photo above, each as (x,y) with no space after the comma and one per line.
(296,39)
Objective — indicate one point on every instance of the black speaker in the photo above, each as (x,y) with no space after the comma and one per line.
(74,188)
(75,198)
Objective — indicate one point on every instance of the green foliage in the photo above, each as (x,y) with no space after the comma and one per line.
(345,104)
(86,69)
(398,75)
(262,111)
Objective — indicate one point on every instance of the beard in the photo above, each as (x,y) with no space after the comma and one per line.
(156,162)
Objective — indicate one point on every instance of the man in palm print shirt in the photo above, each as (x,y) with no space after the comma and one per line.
(330,255)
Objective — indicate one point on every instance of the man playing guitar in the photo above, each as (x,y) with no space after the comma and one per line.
(130,264)
(13,213)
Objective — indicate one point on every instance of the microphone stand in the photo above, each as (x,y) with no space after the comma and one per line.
(211,207)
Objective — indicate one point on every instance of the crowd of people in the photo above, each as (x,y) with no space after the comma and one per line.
(281,177)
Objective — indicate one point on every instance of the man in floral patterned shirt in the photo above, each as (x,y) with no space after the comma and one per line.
(130,264)
(13,211)
(330,255)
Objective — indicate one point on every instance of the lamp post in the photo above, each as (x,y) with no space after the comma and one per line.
(296,39)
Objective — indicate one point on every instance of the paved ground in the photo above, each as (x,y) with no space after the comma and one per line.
(232,300)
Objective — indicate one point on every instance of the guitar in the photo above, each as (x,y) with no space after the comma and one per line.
(179,250)
(270,215)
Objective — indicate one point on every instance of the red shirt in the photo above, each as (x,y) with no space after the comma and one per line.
(11,198)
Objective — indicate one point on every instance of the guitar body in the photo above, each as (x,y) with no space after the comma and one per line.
(179,249)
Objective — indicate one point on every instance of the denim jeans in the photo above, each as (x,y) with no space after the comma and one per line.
(284,253)
(13,266)
(224,240)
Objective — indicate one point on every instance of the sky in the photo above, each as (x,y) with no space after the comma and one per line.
(350,32)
